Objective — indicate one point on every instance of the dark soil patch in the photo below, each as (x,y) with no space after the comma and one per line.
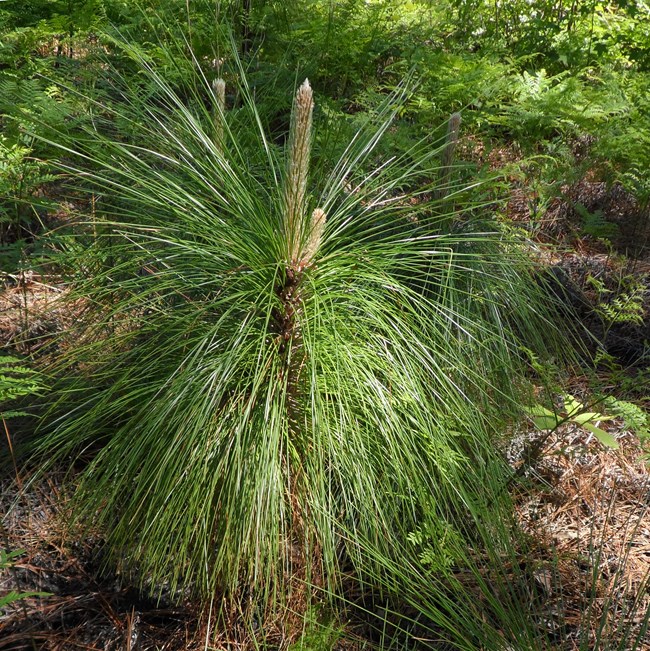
(88,606)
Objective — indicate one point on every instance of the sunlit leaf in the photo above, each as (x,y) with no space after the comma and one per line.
(604,437)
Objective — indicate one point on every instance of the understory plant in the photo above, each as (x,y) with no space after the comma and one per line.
(509,592)
(17,381)
(281,365)
(7,560)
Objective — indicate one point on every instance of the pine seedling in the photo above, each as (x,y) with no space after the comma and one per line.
(447,157)
(260,400)
(316,230)
(219,111)
(297,170)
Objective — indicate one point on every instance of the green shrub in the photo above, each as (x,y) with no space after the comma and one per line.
(21,178)
(17,381)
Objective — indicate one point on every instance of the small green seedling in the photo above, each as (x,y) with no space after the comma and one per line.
(573,412)
(7,559)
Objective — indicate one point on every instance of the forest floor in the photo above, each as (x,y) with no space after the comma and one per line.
(586,507)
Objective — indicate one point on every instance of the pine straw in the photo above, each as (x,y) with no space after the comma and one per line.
(588,512)
(30,312)
(90,606)
(86,608)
